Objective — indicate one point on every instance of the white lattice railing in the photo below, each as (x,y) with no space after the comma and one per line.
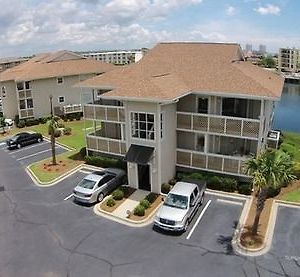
(211,162)
(218,124)
(104,113)
(105,145)
(72,108)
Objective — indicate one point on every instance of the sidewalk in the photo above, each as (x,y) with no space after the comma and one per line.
(130,203)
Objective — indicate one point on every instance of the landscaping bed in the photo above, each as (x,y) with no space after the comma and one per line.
(252,242)
(127,192)
(158,201)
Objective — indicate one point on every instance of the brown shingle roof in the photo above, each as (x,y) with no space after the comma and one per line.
(61,63)
(171,70)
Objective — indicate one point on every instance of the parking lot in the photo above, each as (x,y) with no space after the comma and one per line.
(32,153)
(44,233)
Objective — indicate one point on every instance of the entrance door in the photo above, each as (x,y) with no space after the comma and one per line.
(144,177)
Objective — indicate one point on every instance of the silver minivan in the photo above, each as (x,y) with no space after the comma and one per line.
(179,207)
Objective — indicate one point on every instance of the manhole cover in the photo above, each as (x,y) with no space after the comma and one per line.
(2,188)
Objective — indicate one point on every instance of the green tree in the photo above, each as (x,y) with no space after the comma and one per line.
(268,62)
(52,127)
(270,169)
(2,123)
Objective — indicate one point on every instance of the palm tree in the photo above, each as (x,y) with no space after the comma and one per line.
(270,169)
(52,127)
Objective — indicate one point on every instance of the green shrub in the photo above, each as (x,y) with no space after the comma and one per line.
(172,182)
(44,120)
(67,131)
(82,152)
(165,188)
(196,176)
(57,133)
(145,203)
(105,162)
(118,194)
(17,119)
(60,125)
(139,210)
(214,182)
(151,197)
(78,116)
(32,122)
(229,184)
(110,202)
(21,124)
(245,188)
(272,192)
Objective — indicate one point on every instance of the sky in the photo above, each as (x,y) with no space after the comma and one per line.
(34,26)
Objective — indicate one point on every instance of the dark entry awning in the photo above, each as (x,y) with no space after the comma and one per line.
(139,154)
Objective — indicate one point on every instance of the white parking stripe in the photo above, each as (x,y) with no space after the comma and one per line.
(198,220)
(230,202)
(2,143)
(68,197)
(35,154)
(28,147)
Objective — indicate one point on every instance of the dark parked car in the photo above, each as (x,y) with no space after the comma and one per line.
(95,186)
(22,139)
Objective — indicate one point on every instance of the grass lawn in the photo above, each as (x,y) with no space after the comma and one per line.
(293,196)
(46,172)
(76,140)
(291,145)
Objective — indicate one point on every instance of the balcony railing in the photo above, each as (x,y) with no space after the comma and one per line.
(218,124)
(106,145)
(211,162)
(75,108)
(104,113)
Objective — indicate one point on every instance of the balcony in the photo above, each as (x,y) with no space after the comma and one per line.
(218,124)
(104,113)
(106,145)
(211,162)
(75,108)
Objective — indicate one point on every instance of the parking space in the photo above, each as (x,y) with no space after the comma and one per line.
(32,153)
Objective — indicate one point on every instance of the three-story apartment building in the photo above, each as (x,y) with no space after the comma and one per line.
(183,106)
(26,88)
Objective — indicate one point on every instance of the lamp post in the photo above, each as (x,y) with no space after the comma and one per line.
(51,108)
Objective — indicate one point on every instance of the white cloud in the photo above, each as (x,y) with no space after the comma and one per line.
(268,9)
(230,11)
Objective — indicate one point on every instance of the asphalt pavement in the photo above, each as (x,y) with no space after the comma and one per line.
(42,234)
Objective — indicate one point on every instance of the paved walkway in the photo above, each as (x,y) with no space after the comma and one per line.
(130,203)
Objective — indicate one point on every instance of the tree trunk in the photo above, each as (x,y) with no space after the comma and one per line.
(53,148)
(260,204)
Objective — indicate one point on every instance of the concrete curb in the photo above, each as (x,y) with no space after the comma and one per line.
(269,233)
(64,146)
(126,221)
(228,194)
(39,183)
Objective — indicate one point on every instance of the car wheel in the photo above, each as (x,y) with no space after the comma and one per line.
(19,145)
(100,197)
(39,140)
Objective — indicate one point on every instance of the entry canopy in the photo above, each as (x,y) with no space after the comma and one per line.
(139,154)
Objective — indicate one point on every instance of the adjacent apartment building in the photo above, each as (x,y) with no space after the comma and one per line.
(118,57)
(187,106)
(289,60)
(6,63)
(26,88)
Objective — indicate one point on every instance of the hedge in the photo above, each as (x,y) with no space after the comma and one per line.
(101,161)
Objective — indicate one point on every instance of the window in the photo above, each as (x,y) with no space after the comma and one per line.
(20,86)
(200,142)
(27,85)
(29,103)
(162,117)
(22,105)
(60,80)
(142,125)
(202,105)
(61,99)
(3,92)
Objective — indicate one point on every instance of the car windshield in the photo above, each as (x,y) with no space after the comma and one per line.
(176,201)
(87,184)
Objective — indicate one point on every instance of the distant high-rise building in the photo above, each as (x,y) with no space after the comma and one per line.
(248,47)
(289,59)
(262,49)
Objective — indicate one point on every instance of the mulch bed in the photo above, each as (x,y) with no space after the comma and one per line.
(247,239)
(148,211)
(127,193)
(62,166)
